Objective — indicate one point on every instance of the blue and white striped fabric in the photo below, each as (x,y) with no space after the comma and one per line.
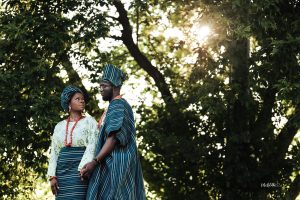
(70,185)
(119,177)
(113,74)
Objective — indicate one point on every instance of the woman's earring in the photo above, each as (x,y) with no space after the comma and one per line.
(70,108)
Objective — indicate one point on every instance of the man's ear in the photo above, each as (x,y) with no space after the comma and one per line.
(116,89)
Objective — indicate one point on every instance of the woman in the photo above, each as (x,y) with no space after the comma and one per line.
(73,145)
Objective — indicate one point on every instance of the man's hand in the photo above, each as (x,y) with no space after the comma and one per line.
(54,186)
(108,147)
(87,170)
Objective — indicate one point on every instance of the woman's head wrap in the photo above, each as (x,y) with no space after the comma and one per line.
(66,96)
(113,74)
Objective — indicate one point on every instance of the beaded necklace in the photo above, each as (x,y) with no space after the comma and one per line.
(71,133)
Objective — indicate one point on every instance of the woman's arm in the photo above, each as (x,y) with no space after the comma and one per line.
(52,164)
(107,148)
(91,138)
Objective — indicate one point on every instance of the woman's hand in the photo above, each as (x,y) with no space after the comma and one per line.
(54,186)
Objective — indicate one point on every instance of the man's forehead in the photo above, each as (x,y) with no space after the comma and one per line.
(105,83)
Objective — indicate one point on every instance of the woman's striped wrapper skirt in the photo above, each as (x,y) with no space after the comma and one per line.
(69,182)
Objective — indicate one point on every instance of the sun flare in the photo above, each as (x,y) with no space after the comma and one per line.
(198,33)
(201,33)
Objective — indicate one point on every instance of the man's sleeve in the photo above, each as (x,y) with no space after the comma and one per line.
(115,122)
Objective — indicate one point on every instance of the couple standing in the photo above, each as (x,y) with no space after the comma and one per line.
(90,161)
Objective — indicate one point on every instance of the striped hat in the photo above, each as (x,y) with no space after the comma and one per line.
(113,74)
(66,96)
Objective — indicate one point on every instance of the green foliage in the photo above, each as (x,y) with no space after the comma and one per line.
(29,87)
(233,105)
(222,137)
(35,41)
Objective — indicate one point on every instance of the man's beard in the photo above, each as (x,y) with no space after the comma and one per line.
(109,95)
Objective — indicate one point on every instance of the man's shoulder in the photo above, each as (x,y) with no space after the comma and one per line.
(119,104)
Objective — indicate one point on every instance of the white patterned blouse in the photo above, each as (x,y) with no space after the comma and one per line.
(85,134)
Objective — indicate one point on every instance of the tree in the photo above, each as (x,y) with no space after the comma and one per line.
(214,130)
(35,46)
(239,144)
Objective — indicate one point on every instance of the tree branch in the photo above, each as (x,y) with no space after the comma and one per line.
(74,79)
(294,189)
(112,17)
(287,134)
(116,37)
(140,58)
(265,114)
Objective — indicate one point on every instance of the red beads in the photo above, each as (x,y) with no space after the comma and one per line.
(71,133)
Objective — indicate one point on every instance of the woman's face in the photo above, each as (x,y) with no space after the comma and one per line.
(77,102)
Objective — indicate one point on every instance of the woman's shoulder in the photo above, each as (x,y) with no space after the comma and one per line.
(60,125)
(62,122)
(90,119)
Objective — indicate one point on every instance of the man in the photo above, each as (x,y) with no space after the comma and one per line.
(115,173)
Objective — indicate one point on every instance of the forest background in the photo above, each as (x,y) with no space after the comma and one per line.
(215,87)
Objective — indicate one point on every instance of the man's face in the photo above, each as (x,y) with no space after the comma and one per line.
(106,90)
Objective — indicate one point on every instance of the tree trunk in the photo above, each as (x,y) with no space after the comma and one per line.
(236,170)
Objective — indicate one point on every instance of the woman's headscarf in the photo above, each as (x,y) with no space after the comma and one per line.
(66,96)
